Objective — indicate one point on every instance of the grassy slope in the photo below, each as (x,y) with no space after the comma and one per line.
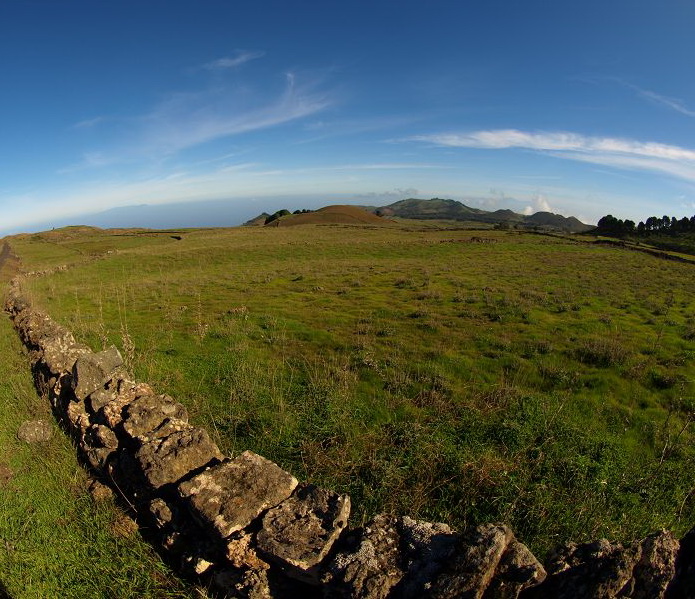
(55,540)
(451,375)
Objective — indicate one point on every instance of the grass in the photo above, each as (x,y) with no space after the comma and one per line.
(463,376)
(55,540)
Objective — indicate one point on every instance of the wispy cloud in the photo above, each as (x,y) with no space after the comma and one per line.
(232,62)
(673,103)
(88,123)
(190,119)
(187,119)
(607,151)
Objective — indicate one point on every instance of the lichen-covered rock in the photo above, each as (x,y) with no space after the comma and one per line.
(227,497)
(300,531)
(372,566)
(60,354)
(160,512)
(165,428)
(111,414)
(426,548)
(91,371)
(35,431)
(168,460)
(146,413)
(77,419)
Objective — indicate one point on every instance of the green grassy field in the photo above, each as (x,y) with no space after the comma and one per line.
(55,540)
(458,376)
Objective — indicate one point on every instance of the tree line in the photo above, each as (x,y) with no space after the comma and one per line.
(610,226)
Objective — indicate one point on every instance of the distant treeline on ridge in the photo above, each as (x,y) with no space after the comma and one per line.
(666,225)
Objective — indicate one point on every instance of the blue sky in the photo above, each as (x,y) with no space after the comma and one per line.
(582,108)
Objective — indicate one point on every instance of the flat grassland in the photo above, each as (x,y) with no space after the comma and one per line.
(453,375)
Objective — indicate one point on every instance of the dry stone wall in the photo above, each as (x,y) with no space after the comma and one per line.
(250,529)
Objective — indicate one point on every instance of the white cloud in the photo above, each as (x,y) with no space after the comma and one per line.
(617,152)
(231,62)
(540,204)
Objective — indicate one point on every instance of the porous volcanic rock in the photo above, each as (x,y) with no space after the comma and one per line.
(300,531)
(35,431)
(227,497)
(372,567)
(602,569)
(91,371)
(146,413)
(168,460)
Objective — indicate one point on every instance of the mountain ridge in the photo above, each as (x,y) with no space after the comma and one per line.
(447,209)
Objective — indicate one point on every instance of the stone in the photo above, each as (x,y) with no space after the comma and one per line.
(167,460)
(299,532)
(99,491)
(161,512)
(426,547)
(111,414)
(518,570)
(130,389)
(60,354)
(98,457)
(166,428)
(77,419)
(243,584)
(588,571)
(372,567)
(241,552)
(35,431)
(91,371)
(474,563)
(656,566)
(146,413)
(229,496)
(98,435)
(99,398)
